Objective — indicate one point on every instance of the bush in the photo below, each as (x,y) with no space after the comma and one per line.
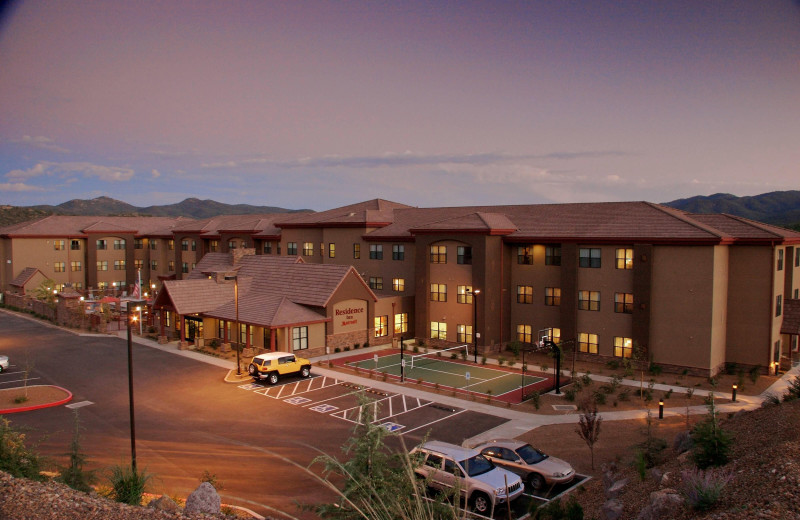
(570,394)
(613,364)
(337,350)
(754,374)
(555,510)
(703,489)
(128,485)
(536,398)
(483,360)
(514,347)
(74,475)
(15,458)
(640,464)
(793,391)
(682,442)
(20,399)
(624,394)
(712,444)
(599,397)
(356,346)
(415,350)
(655,369)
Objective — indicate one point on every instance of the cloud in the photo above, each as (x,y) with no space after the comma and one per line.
(155,173)
(18,186)
(41,142)
(104,173)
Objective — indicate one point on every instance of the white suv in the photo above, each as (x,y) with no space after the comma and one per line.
(447,466)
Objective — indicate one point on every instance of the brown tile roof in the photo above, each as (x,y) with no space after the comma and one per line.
(745,229)
(23,277)
(223,262)
(79,226)
(491,223)
(258,224)
(198,296)
(791,317)
(267,310)
(371,213)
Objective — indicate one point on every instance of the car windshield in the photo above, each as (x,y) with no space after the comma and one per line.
(530,454)
(477,465)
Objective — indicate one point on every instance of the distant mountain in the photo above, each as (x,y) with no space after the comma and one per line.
(781,208)
(192,208)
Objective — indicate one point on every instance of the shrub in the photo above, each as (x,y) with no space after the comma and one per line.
(771,399)
(599,397)
(570,393)
(640,464)
(483,360)
(74,475)
(624,394)
(793,391)
(128,485)
(514,347)
(731,368)
(555,510)
(453,355)
(347,349)
(613,364)
(586,379)
(20,399)
(655,369)
(415,349)
(500,361)
(337,350)
(212,479)
(754,374)
(16,458)
(712,444)
(703,489)
(366,344)
(682,442)
(356,346)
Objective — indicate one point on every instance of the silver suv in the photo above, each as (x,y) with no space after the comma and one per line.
(447,466)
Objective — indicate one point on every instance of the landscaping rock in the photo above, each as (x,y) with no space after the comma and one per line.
(612,509)
(616,488)
(204,499)
(664,504)
(164,503)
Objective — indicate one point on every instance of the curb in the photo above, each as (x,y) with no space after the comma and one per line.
(40,406)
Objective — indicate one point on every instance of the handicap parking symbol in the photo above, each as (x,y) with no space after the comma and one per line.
(392,427)
(251,386)
(297,400)
(324,408)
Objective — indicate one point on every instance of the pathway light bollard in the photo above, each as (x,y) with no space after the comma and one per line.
(733,393)
(661,409)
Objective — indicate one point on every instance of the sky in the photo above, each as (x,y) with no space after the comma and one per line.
(430,103)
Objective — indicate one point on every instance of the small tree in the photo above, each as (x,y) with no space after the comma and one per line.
(74,475)
(712,444)
(589,426)
(44,291)
(15,457)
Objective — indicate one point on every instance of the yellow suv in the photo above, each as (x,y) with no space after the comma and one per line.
(270,366)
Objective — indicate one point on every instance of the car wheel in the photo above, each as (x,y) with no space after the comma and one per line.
(480,503)
(252,370)
(535,481)
(305,371)
(272,378)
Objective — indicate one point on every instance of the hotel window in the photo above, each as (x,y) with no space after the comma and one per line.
(308,249)
(398,252)
(299,338)
(524,294)
(623,347)
(356,251)
(438,254)
(331,250)
(171,244)
(780,259)
(589,300)
(185,267)
(587,343)
(524,333)
(464,255)
(138,243)
(102,244)
(75,245)
(552,255)
(438,292)
(267,248)
(278,248)
(102,285)
(119,244)
(589,257)
(154,265)
(381,326)
(59,267)
(778,305)
(75,266)
(438,330)
(213,246)
(119,265)
(59,245)
(232,244)
(623,302)
(398,284)
(78,286)
(102,265)
(291,248)
(552,296)
(153,244)
(401,323)
(796,294)
(525,255)
(464,294)
(376,251)
(171,265)
(184,245)
(194,245)
(624,258)
(464,333)
(138,264)
(376,282)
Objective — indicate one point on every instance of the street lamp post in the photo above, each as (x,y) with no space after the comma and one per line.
(130,318)
(475,294)
(235,279)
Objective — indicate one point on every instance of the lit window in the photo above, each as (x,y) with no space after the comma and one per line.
(308,249)
(524,294)
(171,244)
(381,326)
(524,333)
(464,255)
(102,265)
(331,250)
(59,267)
(401,323)
(438,292)
(464,294)
(213,246)
(552,255)
(438,330)
(171,265)
(398,252)
(589,257)
(376,251)
(194,245)
(138,264)
(75,266)
(589,300)
(153,243)
(119,244)
(464,333)
(299,338)
(587,343)
(552,296)
(154,265)
(525,255)
(623,347)
(356,251)
(119,265)
(59,245)
(624,258)
(438,254)
(398,284)
(623,302)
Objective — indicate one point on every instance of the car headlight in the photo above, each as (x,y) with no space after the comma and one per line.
(559,475)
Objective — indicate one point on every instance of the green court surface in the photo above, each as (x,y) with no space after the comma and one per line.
(452,373)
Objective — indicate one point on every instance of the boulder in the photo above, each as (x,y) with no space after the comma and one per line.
(612,509)
(616,488)
(664,504)
(204,499)
(164,503)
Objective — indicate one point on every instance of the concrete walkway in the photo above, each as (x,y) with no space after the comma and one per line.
(518,422)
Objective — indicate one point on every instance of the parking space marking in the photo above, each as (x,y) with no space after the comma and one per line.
(19,380)
(297,400)
(251,386)
(324,408)
(434,422)
(354,414)
(289,389)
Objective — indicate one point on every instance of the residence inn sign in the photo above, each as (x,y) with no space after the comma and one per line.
(349,316)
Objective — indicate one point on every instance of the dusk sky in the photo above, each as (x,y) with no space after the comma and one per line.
(321,104)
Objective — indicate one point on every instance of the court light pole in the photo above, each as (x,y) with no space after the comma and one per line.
(131,318)
(475,294)
(235,279)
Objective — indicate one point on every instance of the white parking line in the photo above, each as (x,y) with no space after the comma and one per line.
(19,380)
(434,422)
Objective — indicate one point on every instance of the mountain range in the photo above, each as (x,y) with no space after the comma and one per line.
(781,208)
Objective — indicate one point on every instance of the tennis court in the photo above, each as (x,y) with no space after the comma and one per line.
(448,370)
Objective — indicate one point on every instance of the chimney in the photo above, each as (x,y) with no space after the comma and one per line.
(237,254)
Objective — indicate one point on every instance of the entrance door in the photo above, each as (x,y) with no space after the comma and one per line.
(194,329)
